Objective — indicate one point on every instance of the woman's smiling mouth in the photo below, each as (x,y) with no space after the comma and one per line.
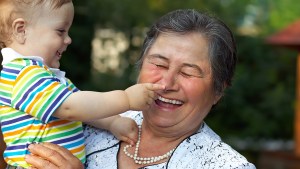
(169,101)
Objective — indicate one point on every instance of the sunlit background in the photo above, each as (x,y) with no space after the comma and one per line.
(256,115)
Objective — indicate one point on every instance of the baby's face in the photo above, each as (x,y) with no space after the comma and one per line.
(46,35)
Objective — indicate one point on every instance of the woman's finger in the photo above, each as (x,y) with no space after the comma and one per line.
(39,163)
(47,152)
(68,156)
(52,156)
(59,149)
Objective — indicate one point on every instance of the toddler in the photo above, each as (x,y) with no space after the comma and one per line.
(37,103)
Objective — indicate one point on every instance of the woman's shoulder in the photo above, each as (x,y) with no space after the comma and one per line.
(206,149)
(97,139)
(137,116)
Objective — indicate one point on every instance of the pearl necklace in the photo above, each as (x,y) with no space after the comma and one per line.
(145,160)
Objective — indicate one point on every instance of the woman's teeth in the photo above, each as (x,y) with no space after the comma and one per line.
(169,101)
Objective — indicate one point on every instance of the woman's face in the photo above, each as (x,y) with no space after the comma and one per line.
(181,63)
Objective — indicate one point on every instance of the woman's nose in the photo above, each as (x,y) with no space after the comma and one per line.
(170,80)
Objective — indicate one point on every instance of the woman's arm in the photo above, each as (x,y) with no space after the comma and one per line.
(2,148)
(52,156)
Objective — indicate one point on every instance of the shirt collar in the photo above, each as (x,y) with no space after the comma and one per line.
(9,55)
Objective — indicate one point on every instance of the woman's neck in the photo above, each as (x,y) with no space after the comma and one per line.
(156,141)
(153,142)
(168,134)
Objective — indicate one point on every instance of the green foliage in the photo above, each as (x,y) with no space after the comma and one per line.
(282,13)
(273,15)
(260,103)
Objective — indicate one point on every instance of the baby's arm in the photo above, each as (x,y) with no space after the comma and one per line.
(88,105)
(123,128)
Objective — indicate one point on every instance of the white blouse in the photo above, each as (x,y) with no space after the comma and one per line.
(204,150)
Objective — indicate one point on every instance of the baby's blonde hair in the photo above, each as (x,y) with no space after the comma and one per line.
(13,9)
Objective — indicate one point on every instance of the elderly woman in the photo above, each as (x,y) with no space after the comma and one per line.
(194,56)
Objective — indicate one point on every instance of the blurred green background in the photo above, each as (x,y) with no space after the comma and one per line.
(259,108)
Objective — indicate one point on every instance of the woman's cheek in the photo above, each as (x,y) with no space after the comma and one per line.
(150,74)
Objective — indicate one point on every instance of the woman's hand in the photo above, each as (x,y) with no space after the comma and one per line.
(51,156)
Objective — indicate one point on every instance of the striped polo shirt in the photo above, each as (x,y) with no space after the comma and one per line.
(30,92)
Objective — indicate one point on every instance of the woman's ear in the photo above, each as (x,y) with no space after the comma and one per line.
(18,28)
(220,94)
(217,98)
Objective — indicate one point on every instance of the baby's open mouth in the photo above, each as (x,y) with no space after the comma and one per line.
(58,53)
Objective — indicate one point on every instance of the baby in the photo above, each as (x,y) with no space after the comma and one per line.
(37,103)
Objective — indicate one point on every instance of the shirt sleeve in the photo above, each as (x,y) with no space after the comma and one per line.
(38,92)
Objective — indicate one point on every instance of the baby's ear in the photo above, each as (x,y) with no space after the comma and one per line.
(18,28)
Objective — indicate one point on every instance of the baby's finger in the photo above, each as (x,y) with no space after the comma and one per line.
(133,137)
(155,87)
(151,95)
(128,140)
(149,102)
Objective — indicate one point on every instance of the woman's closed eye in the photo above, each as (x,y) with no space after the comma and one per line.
(191,72)
(190,75)
(158,61)
(160,65)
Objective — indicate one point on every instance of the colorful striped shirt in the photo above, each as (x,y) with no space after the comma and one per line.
(29,94)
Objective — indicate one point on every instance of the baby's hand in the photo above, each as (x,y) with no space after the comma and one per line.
(125,129)
(141,96)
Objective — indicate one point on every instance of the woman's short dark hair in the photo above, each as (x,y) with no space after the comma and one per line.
(222,47)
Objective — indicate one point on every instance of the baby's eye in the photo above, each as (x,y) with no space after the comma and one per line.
(61,31)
